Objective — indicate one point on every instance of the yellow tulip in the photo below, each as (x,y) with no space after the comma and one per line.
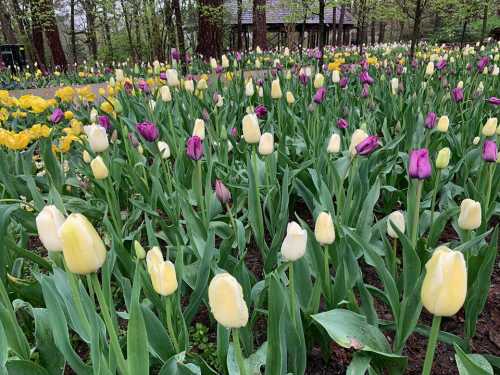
(490,127)
(443,124)
(324,230)
(266,144)
(276,89)
(470,215)
(162,273)
(443,158)
(445,283)
(99,169)
(83,249)
(251,130)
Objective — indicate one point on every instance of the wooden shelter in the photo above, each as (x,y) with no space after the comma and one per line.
(287,26)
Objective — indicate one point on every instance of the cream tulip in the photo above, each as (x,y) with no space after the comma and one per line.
(295,243)
(162,273)
(490,128)
(97,137)
(225,297)
(48,223)
(324,230)
(443,124)
(249,89)
(319,80)
(290,99)
(173,78)
(189,85)
(266,144)
(397,219)
(99,168)
(199,128)
(335,76)
(83,249)
(445,283)
(276,89)
(164,149)
(251,129)
(443,158)
(429,70)
(165,94)
(470,215)
(333,144)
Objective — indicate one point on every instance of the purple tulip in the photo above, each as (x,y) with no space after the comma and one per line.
(57,115)
(143,86)
(163,76)
(457,94)
(342,123)
(234,132)
(187,58)
(483,62)
(364,91)
(490,151)
(441,64)
(399,69)
(414,64)
(365,78)
(420,166)
(261,111)
(105,122)
(303,79)
(364,65)
(194,148)
(219,69)
(344,81)
(128,86)
(494,100)
(238,56)
(368,145)
(430,120)
(318,54)
(148,131)
(320,95)
(222,192)
(175,54)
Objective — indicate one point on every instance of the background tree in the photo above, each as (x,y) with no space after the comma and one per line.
(259,24)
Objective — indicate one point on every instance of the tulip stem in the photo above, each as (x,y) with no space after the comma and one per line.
(394,257)
(170,325)
(200,198)
(113,337)
(328,292)
(431,345)
(293,297)
(239,354)
(75,292)
(434,195)
(416,213)
(491,171)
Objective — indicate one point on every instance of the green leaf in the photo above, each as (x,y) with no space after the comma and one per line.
(159,341)
(359,364)
(254,363)
(137,339)
(23,367)
(175,366)
(471,364)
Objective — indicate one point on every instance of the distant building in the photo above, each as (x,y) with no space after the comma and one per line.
(286,24)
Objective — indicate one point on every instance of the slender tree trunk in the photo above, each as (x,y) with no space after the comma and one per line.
(179,29)
(464,30)
(372,33)
(128,28)
(334,27)
(239,43)
(416,28)
(210,28)
(485,20)
(381,31)
(37,36)
(401,30)
(169,22)
(340,33)
(259,24)
(321,26)
(90,15)
(7,30)
(107,33)
(72,31)
(137,27)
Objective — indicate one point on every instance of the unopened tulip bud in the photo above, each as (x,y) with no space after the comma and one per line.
(394,86)
(189,85)
(335,76)
(319,80)
(398,220)
(290,99)
(357,137)
(295,243)
(429,70)
(162,273)
(48,223)
(333,144)
(140,253)
(249,90)
(225,297)
(443,158)
(222,192)
(470,215)
(489,129)
(99,169)
(93,115)
(266,144)
(324,230)
(83,249)
(165,94)
(251,129)
(164,149)
(443,124)
(445,282)
(419,165)
(86,156)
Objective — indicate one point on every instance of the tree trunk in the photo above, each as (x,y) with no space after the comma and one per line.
(485,20)
(107,34)
(259,24)
(157,53)
(7,30)
(210,28)
(179,29)
(239,42)
(72,31)
(381,31)
(416,28)
(334,27)
(169,22)
(340,33)
(372,33)
(37,36)
(462,37)
(128,28)
(321,26)
(89,8)
(401,30)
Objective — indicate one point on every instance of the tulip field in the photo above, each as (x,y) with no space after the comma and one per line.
(264,213)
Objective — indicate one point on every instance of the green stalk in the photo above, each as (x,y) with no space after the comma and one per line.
(293,297)
(201,201)
(416,213)
(431,345)
(490,173)
(239,354)
(434,195)
(75,294)
(328,289)
(170,326)
(394,257)
(113,337)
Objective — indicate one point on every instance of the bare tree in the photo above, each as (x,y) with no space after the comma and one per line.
(259,24)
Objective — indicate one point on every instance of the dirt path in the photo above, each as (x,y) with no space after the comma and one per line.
(49,92)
